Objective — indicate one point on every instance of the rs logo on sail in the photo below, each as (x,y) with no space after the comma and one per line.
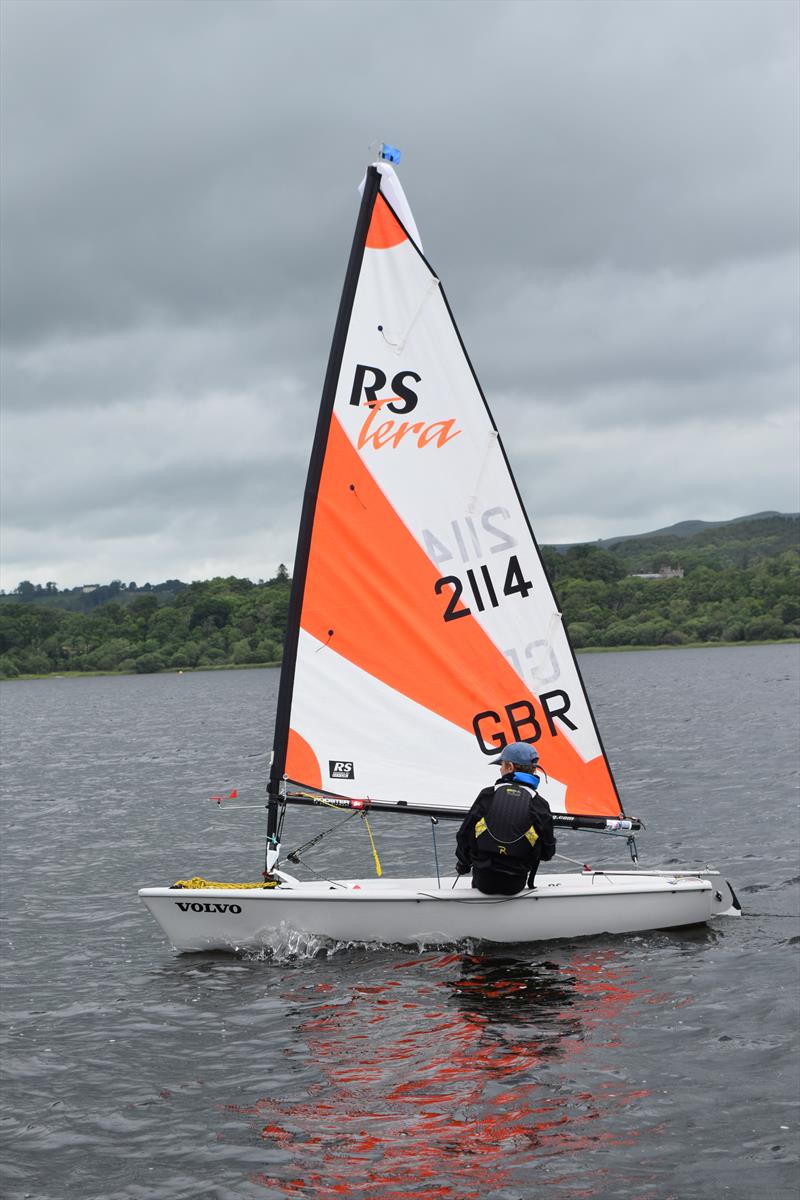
(207,906)
(403,400)
(341,770)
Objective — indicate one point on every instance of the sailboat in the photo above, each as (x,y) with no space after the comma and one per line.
(423,637)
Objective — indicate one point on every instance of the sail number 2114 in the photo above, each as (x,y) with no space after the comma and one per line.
(482,588)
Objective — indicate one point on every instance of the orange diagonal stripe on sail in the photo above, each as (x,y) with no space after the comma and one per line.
(373,586)
(384,228)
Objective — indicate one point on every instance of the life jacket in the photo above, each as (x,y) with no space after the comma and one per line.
(506,834)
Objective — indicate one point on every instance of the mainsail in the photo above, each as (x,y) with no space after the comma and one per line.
(423,632)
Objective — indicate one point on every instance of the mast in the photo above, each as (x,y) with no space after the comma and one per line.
(371,188)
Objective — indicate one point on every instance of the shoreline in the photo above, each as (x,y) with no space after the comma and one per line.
(273,665)
(686,646)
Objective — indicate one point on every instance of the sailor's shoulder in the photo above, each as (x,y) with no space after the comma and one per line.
(540,806)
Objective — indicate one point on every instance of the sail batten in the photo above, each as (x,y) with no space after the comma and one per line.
(424,633)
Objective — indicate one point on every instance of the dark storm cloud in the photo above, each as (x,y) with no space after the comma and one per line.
(180,157)
(609,191)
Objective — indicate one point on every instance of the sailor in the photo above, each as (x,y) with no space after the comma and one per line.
(509,829)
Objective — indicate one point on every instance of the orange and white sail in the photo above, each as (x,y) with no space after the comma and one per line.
(424,635)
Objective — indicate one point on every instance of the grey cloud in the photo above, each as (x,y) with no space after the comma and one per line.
(574,335)
(618,481)
(189,168)
(609,191)
(122,365)
(138,458)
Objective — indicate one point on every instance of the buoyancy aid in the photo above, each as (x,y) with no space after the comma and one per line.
(506,834)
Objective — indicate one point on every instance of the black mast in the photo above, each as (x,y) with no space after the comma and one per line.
(371,189)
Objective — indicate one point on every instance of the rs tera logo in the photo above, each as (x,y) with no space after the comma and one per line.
(207,906)
(367,382)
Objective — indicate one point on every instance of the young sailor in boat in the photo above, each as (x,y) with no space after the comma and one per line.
(509,829)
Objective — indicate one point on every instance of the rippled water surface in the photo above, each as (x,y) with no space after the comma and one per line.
(657,1066)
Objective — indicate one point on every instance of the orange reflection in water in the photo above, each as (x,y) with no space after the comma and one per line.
(461,1090)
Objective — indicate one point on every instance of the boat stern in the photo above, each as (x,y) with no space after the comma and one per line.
(724,901)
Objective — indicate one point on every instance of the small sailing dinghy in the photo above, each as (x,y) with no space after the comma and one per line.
(423,637)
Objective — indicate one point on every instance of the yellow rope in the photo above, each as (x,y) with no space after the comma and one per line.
(378,867)
(198,882)
(327,804)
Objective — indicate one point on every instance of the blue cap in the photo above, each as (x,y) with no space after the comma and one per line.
(521,754)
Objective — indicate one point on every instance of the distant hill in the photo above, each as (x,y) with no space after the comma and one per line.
(683,529)
(716,545)
(688,529)
(730,581)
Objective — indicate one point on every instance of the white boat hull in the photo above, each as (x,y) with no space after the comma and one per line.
(418,911)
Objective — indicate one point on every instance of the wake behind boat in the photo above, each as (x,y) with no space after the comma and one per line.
(423,638)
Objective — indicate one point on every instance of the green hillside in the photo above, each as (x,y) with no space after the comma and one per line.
(734,544)
(222,621)
(740,582)
(684,529)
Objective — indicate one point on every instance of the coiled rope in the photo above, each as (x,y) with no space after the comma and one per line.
(198,882)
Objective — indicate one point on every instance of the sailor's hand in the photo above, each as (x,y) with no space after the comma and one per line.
(462,868)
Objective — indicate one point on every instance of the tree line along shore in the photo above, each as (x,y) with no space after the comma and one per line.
(737,582)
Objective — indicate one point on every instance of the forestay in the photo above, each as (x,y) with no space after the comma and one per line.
(423,632)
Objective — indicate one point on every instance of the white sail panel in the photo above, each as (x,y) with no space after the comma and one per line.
(422,571)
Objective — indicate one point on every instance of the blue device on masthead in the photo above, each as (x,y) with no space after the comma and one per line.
(389,153)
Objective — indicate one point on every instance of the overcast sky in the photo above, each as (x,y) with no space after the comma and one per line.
(607,189)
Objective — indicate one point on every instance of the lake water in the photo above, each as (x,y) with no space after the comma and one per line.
(657,1066)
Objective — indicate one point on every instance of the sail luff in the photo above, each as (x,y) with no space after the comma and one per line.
(286,687)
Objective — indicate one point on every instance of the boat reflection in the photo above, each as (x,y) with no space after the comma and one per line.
(500,992)
(453,1079)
